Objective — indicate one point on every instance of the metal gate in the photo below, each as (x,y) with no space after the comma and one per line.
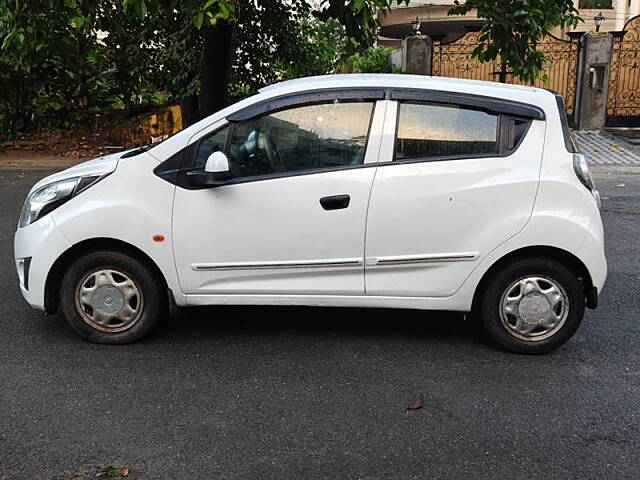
(454,59)
(623,101)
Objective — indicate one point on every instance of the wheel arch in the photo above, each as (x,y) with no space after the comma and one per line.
(54,277)
(558,254)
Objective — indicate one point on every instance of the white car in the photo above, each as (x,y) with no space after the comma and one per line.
(394,191)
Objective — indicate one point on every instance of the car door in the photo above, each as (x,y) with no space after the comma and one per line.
(292,218)
(457,178)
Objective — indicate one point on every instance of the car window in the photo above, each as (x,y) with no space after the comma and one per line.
(436,130)
(213,143)
(301,138)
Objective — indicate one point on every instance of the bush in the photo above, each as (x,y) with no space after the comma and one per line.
(372,60)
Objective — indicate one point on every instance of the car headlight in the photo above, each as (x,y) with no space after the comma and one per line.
(51,196)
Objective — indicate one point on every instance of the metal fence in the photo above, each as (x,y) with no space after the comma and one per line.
(623,101)
(454,59)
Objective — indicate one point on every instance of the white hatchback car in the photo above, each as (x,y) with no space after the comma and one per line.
(394,191)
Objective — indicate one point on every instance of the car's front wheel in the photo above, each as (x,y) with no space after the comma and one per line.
(111,297)
(533,305)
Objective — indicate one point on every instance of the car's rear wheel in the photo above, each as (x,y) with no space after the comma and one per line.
(110,297)
(533,305)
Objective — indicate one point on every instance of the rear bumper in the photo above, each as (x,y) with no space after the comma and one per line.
(36,248)
(591,252)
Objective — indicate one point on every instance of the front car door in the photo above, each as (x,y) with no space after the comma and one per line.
(291,220)
(459,179)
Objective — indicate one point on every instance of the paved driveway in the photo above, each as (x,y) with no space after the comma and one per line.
(307,393)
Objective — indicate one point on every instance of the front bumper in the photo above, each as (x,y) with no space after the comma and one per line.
(36,248)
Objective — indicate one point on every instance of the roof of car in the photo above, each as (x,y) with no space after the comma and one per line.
(390,80)
(516,93)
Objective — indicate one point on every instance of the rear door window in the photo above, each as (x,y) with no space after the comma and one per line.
(430,131)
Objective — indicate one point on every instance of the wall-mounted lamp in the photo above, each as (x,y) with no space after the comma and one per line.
(415,26)
(599,20)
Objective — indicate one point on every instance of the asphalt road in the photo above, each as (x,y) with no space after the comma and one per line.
(306,393)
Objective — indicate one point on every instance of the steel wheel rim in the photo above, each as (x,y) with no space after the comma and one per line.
(109,300)
(534,308)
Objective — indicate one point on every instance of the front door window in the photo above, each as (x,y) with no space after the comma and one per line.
(311,137)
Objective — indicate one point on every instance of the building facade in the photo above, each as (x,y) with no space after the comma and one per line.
(396,24)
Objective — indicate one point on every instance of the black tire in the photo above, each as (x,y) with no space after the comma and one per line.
(489,308)
(152,297)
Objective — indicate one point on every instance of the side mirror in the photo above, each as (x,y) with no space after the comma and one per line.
(216,171)
(218,165)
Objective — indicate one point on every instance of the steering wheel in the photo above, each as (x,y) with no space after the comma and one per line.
(265,144)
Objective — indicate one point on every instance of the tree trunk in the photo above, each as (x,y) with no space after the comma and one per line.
(215,71)
(503,72)
(190,110)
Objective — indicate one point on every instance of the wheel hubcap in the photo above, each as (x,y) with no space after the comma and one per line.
(534,308)
(109,300)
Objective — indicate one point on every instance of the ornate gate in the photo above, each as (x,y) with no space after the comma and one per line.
(623,101)
(454,59)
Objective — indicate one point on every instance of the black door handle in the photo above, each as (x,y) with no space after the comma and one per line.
(335,202)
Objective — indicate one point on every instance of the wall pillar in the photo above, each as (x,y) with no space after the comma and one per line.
(593,81)
(416,55)
(621,13)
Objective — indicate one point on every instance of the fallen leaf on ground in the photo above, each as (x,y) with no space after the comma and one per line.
(124,471)
(417,402)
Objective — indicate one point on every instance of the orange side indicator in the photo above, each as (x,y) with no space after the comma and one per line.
(158,238)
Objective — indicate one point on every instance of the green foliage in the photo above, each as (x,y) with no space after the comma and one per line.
(372,60)
(281,42)
(201,11)
(49,61)
(359,17)
(62,60)
(130,48)
(317,50)
(513,28)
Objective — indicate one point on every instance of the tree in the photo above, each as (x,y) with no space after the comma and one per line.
(359,17)
(131,47)
(68,57)
(281,40)
(49,60)
(512,31)
(218,18)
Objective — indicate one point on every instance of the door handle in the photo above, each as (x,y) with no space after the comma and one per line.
(335,202)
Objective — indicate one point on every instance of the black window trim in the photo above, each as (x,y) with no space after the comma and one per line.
(308,97)
(569,140)
(279,175)
(502,149)
(478,102)
(504,125)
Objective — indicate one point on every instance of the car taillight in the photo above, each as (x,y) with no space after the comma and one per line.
(581,167)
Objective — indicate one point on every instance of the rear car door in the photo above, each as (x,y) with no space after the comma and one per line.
(458,178)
